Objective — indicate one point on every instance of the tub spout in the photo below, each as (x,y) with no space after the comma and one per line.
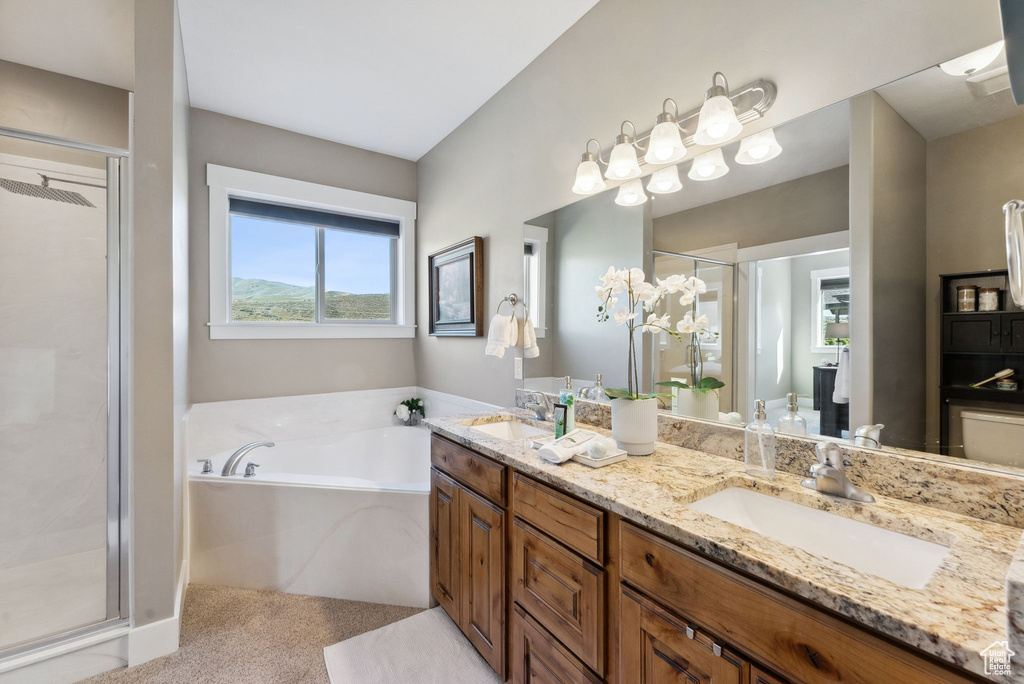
(231,465)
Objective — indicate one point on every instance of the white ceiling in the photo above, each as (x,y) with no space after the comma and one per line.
(393,76)
(816,142)
(94,40)
(937,104)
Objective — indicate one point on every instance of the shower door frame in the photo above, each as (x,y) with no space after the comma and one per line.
(119,392)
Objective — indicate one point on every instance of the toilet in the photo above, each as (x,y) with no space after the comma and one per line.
(994,437)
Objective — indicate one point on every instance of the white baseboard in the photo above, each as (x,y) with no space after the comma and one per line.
(159,638)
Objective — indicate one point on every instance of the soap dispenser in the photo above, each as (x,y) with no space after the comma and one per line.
(596,392)
(759,444)
(792,423)
(565,397)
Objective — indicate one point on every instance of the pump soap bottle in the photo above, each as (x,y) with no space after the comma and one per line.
(792,423)
(565,397)
(759,444)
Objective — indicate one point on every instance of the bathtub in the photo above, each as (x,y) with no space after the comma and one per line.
(338,508)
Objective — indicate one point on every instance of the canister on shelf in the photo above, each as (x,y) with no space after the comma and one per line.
(966,298)
(988,299)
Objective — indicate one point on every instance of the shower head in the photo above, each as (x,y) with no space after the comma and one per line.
(44,192)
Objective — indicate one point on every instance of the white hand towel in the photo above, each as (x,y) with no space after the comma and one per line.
(530,348)
(566,446)
(841,394)
(502,334)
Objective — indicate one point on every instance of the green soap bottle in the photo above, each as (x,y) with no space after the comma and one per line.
(565,397)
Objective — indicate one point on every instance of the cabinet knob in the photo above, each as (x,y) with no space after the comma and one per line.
(650,559)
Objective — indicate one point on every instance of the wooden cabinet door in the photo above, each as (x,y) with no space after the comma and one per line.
(759,676)
(971,333)
(536,657)
(482,537)
(1013,333)
(655,647)
(445,568)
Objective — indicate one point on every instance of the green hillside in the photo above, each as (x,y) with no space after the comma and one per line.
(253,299)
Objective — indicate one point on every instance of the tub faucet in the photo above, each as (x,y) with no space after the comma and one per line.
(828,475)
(231,465)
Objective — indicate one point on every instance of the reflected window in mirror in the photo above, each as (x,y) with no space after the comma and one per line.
(535,249)
(830,296)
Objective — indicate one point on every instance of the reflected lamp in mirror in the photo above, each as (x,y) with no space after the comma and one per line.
(623,164)
(588,173)
(966,65)
(631,194)
(666,144)
(837,331)
(708,166)
(759,148)
(717,122)
(664,181)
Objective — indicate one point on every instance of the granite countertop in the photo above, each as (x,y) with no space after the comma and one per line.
(960,612)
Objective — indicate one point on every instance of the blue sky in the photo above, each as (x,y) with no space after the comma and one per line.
(286,253)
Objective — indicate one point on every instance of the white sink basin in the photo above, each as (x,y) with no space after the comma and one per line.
(510,430)
(900,558)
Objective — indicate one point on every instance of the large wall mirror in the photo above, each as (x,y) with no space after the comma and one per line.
(855,273)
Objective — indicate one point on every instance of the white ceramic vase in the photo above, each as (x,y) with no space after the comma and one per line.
(694,404)
(635,425)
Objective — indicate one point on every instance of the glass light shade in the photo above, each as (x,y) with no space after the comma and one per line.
(972,61)
(664,181)
(759,148)
(717,121)
(631,194)
(588,178)
(708,166)
(665,145)
(623,163)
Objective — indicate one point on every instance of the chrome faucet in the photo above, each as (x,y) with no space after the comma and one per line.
(868,436)
(231,465)
(542,406)
(828,475)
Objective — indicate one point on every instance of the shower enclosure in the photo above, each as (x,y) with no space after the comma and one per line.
(63,550)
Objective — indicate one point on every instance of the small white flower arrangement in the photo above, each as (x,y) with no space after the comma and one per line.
(633,286)
(410,411)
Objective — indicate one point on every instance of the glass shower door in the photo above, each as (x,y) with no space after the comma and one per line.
(59,400)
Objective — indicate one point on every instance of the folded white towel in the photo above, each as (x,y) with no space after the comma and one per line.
(530,348)
(502,334)
(565,447)
(841,394)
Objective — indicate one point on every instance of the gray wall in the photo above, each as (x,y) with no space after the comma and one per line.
(589,237)
(160,301)
(971,175)
(887,263)
(243,369)
(578,88)
(812,205)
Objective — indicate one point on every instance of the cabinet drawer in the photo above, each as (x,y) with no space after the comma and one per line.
(563,591)
(571,522)
(799,641)
(537,658)
(971,333)
(477,472)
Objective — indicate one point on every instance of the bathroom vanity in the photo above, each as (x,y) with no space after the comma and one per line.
(571,574)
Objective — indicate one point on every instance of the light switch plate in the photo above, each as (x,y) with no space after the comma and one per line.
(518,372)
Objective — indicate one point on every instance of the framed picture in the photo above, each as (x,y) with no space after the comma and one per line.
(456,289)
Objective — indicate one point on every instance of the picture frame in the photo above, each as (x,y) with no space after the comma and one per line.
(456,284)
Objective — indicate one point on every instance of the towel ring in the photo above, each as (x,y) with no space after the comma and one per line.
(512,299)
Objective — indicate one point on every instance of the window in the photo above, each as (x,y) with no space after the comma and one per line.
(830,299)
(290,259)
(535,246)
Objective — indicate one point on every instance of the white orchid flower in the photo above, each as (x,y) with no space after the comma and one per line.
(635,275)
(670,285)
(612,281)
(702,323)
(686,325)
(686,299)
(655,323)
(623,315)
(647,293)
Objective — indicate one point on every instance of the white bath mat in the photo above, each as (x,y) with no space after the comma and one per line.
(426,648)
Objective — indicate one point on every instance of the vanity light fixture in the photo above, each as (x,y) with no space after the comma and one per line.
(623,163)
(708,166)
(664,181)
(717,122)
(666,144)
(972,61)
(588,173)
(631,194)
(759,148)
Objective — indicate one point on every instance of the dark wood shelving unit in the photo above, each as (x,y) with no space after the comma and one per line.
(976,345)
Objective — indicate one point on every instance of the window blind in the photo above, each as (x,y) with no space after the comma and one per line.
(315,217)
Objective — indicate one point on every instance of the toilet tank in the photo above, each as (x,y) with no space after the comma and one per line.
(994,437)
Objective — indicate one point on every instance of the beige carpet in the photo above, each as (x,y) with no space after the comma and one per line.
(426,649)
(232,636)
